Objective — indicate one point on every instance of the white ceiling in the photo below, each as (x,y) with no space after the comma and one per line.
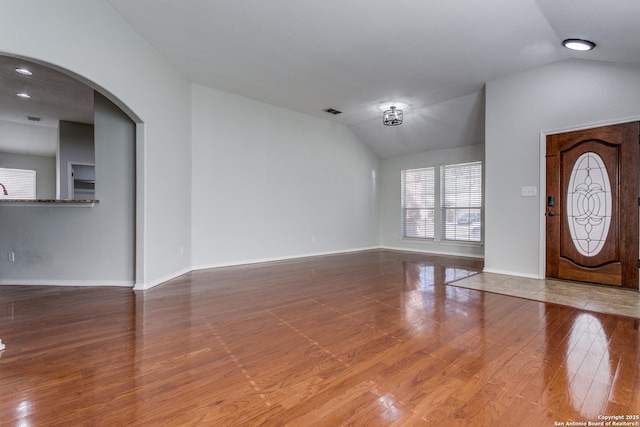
(55,96)
(434,55)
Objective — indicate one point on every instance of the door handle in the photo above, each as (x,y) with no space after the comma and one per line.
(551,213)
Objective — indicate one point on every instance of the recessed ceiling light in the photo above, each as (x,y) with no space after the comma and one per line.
(23,95)
(578,44)
(23,71)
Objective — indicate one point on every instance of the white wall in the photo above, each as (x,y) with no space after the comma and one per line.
(76,144)
(30,146)
(91,40)
(22,138)
(45,168)
(391,194)
(80,246)
(310,181)
(563,96)
(270,183)
(115,188)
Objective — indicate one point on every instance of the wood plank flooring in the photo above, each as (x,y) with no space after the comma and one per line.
(366,339)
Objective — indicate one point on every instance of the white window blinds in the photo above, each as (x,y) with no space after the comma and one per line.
(461,201)
(17,184)
(418,203)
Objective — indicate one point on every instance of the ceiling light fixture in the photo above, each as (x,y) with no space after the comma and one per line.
(24,71)
(578,44)
(23,95)
(392,117)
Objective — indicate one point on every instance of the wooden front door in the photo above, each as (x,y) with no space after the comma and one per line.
(592,205)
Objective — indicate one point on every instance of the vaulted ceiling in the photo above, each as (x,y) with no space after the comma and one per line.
(434,56)
(354,56)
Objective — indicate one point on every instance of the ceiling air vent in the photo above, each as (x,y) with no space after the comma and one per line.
(332,111)
(34,119)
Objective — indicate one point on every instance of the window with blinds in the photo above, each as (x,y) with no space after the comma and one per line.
(461,201)
(418,203)
(17,184)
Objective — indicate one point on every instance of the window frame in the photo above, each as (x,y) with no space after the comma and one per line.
(428,197)
(439,209)
(474,207)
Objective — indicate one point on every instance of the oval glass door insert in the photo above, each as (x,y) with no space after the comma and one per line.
(589,204)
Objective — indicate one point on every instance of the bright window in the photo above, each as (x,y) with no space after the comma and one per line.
(461,201)
(418,203)
(17,184)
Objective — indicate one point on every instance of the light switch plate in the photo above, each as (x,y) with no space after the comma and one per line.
(529,191)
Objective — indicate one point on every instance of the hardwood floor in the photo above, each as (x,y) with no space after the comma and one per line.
(369,339)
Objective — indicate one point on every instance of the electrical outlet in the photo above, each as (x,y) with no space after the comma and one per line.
(11,257)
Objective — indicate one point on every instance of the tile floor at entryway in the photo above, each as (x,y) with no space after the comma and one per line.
(601,299)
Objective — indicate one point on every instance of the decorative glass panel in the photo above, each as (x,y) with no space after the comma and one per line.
(589,204)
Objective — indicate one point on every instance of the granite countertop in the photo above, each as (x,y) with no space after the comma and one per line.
(47,202)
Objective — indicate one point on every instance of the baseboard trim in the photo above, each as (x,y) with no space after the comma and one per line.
(161,280)
(164,279)
(432,252)
(153,283)
(70,283)
(286,258)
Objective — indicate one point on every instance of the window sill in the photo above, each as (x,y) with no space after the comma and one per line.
(418,240)
(461,243)
(429,241)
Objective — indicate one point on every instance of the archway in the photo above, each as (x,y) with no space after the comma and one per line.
(53,245)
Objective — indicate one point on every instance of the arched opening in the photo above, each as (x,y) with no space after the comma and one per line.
(66,123)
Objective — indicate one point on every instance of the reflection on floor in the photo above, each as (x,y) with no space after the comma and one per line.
(369,338)
(601,299)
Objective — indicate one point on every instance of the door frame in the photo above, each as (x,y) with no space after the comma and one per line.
(70,184)
(542,207)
